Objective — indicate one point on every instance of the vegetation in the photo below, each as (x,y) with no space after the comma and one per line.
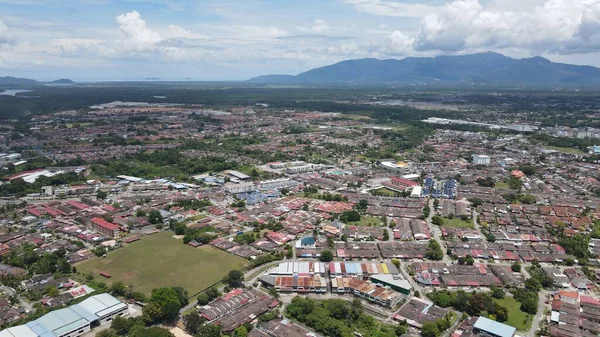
(338,318)
(172,264)
(475,304)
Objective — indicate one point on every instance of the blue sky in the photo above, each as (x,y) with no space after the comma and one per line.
(239,39)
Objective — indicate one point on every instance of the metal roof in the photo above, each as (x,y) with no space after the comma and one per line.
(494,328)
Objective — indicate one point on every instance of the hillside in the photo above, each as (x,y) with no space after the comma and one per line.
(487,68)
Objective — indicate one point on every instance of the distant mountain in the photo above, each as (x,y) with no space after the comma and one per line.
(63,81)
(486,68)
(10,82)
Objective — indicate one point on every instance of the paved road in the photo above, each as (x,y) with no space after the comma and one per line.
(11,292)
(535,325)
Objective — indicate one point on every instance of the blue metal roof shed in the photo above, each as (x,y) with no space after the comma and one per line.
(494,328)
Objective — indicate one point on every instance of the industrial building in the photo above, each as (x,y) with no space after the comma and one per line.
(493,328)
(73,321)
(245,187)
(276,184)
(394,282)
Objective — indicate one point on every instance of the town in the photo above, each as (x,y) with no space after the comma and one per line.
(180,219)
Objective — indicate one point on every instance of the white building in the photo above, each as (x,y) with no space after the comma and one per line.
(73,321)
(233,188)
(481,159)
(276,184)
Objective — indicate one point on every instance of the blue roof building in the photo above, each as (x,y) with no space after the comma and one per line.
(494,328)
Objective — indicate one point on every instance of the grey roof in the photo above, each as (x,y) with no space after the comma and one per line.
(494,328)
(58,322)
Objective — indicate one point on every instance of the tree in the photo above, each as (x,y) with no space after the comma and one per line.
(101,195)
(434,251)
(501,313)
(192,322)
(497,292)
(154,217)
(469,260)
(118,289)
(209,330)
(396,263)
(326,256)
(235,279)
(121,325)
(386,235)
(164,305)
(240,331)
(436,203)
(516,267)
(437,220)
(527,199)
(429,329)
(203,299)
(180,228)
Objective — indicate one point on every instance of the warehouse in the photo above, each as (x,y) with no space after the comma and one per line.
(361,269)
(299,268)
(394,282)
(73,321)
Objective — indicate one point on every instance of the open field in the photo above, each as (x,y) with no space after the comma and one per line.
(384,192)
(516,318)
(458,223)
(568,150)
(160,260)
(501,186)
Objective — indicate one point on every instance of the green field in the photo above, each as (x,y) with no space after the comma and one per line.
(516,318)
(502,186)
(458,223)
(567,150)
(159,260)
(384,192)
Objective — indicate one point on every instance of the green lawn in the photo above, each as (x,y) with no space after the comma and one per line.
(367,220)
(159,260)
(384,191)
(458,223)
(502,186)
(516,318)
(567,150)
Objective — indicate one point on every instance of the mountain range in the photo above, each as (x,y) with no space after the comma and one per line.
(484,68)
(16,82)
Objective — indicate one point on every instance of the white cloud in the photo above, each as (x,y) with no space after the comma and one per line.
(563,26)
(137,35)
(180,32)
(318,26)
(400,44)
(391,8)
(5,35)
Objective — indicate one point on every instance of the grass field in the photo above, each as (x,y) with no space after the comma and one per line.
(159,260)
(516,318)
(501,186)
(384,191)
(567,150)
(458,223)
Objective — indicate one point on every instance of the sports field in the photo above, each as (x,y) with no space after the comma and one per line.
(159,260)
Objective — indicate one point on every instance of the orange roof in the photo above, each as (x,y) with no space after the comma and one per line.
(571,294)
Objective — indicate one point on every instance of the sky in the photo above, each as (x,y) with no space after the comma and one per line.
(240,39)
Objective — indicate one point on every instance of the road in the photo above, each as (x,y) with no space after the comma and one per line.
(11,292)
(535,325)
